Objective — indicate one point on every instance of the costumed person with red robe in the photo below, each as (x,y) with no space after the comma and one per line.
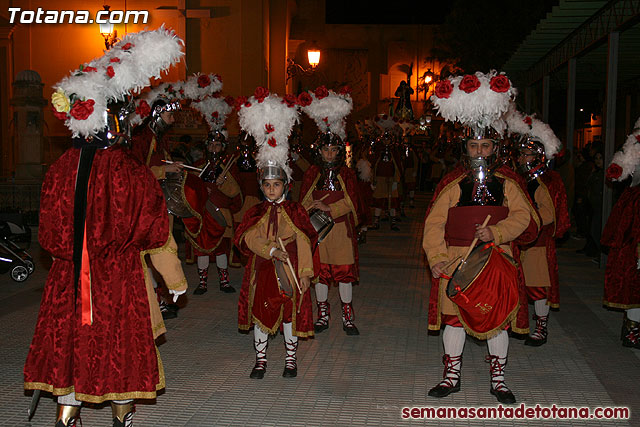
(537,145)
(621,235)
(330,190)
(277,238)
(456,217)
(364,172)
(154,116)
(101,211)
(213,238)
(387,174)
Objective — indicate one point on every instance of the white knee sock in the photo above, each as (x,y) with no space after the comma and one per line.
(541,307)
(346,292)
(377,212)
(499,345)
(633,314)
(322,292)
(453,340)
(122,402)
(69,400)
(222,261)
(203,262)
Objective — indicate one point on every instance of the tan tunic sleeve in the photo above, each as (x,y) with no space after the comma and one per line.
(166,261)
(545,205)
(433,241)
(258,242)
(519,216)
(303,164)
(230,187)
(159,172)
(339,208)
(305,257)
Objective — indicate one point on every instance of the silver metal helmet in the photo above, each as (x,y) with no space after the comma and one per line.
(117,126)
(273,171)
(330,139)
(536,167)
(161,105)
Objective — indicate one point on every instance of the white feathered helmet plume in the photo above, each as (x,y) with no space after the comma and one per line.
(195,87)
(82,98)
(477,101)
(531,129)
(626,162)
(269,119)
(215,110)
(329,110)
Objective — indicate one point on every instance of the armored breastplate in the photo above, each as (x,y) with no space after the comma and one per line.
(246,163)
(489,192)
(329,180)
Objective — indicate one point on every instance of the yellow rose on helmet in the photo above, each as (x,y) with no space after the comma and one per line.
(60,101)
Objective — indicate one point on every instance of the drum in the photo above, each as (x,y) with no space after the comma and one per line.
(172,187)
(485,289)
(322,223)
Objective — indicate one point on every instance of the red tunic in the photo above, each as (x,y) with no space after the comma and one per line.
(260,297)
(147,148)
(622,235)
(527,237)
(114,357)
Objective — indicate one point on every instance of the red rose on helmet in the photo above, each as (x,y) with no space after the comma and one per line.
(240,101)
(116,59)
(345,90)
(88,69)
(614,171)
(528,120)
(110,71)
(443,89)
(214,115)
(261,93)
(204,80)
(143,109)
(127,46)
(269,128)
(469,83)
(304,99)
(638,137)
(272,142)
(499,83)
(290,100)
(82,109)
(321,92)
(59,115)
(230,100)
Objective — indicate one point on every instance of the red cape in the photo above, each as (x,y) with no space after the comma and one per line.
(528,236)
(126,214)
(303,324)
(621,235)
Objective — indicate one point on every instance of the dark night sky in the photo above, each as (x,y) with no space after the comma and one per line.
(387,12)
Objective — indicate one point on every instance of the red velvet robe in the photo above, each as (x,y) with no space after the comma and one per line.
(353,218)
(527,237)
(260,296)
(550,232)
(622,235)
(147,148)
(115,357)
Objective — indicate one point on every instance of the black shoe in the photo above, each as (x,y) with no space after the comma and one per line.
(201,289)
(227,288)
(319,328)
(504,396)
(258,372)
(169,311)
(350,329)
(290,372)
(443,391)
(535,342)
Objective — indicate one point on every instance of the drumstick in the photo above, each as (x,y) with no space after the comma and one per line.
(228,166)
(293,273)
(184,166)
(450,263)
(320,199)
(473,244)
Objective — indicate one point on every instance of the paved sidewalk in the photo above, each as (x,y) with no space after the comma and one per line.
(362,380)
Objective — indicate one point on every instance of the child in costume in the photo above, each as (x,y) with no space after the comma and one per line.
(277,238)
